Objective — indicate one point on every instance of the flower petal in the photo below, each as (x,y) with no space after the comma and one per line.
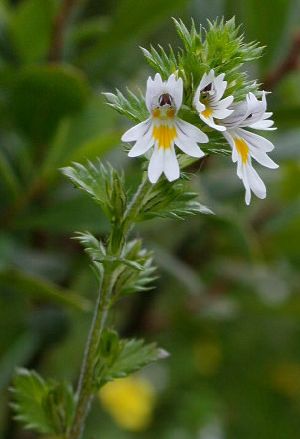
(188,146)
(210,122)
(205,80)
(136,132)
(221,113)
(191,131)
(256,184)
(153,90)
(156,164)
(229,137)
(262,158)
(224,103)
(171,166)
(265,124)
(255,140)
(196,100)
(142,145)
(220,86)
(244,178)
(175,88)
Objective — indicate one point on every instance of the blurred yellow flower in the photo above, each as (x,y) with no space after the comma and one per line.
(130,402)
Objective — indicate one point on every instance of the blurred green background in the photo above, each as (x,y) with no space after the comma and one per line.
(227,304)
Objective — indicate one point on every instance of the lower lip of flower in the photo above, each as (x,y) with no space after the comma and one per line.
(164,135)
(242,148)
(207,112)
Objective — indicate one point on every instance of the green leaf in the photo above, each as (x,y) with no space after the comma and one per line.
(43,406)
(138,273)
(167,200)
(134,354)
(31,29)
(163,62)
(120,358)
(131,106)
(94,247)
(103,183)
(134,260)
(43,95)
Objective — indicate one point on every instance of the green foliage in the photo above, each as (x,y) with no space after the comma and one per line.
(94,247)
(163,62)
(220,46)
(46,407)
(131,106)
(137,276)
(227,52)
(174,201)
(103,183)
(134,268)
(119,358)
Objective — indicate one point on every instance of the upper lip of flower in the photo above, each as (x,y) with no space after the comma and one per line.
(157,89)
(250,113)
(208,100)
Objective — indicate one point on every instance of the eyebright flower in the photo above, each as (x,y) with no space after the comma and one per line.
(208,100)
(163,129)
(247,145)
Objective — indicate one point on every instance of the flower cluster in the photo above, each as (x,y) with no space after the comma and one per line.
(163,129)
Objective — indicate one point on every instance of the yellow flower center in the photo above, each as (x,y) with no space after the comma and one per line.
(164,135)
(156,112)
(207,112)
(164,113)
(242,148)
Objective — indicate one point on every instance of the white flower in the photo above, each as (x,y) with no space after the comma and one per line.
(208,100)
(247,145)
(163,129)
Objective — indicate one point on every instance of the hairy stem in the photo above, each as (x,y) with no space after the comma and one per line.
(85,384)
(85,390)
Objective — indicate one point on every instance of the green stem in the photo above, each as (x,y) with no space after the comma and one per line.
(134,207)
(85,384)
(85,390)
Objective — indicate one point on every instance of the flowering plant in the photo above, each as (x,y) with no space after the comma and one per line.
(201,103)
